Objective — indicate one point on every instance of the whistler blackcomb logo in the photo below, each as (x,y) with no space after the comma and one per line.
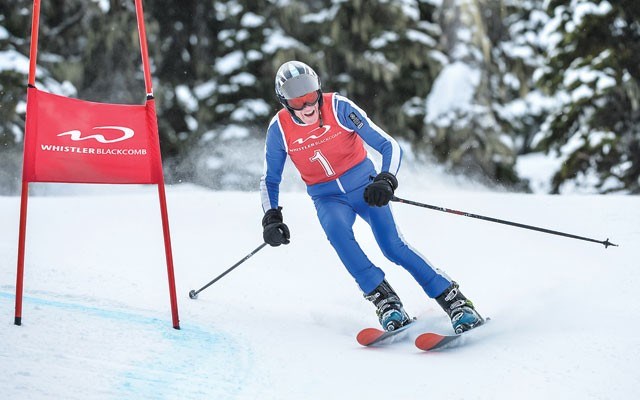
(76,135)
(324,129)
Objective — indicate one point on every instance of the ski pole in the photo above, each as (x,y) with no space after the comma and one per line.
(606,243)
(194,293)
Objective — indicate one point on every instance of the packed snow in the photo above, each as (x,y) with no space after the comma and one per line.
(96,320)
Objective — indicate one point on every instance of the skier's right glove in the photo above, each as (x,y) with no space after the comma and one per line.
(380,192)
(275,231)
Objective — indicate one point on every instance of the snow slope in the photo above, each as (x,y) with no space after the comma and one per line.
(97,322)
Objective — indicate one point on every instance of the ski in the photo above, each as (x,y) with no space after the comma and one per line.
(432,341)
(375,336)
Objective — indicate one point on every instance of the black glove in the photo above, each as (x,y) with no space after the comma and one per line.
(275,231)
(380,191)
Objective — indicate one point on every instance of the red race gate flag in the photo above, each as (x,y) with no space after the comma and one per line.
(75,141)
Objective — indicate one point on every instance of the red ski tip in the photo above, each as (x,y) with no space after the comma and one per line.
(368,335)
(428,341)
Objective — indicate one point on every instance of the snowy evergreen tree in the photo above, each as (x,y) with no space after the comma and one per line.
(182,48)
(13,71)
(384,55)
(227,102)
(514,28)
(15,28)
(461,122)
(594,71)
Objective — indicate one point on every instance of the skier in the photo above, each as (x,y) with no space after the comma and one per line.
(324,135)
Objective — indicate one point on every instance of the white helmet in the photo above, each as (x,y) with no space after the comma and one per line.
(295,79)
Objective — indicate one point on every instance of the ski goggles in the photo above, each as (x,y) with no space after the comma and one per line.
(299,103)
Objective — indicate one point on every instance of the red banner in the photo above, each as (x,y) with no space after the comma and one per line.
(76,141)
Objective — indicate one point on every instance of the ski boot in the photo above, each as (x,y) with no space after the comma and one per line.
(460,309)
(389,308)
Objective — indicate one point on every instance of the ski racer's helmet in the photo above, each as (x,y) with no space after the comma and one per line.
(295,79)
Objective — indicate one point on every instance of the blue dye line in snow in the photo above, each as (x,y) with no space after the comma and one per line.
(95,311)
(195,363)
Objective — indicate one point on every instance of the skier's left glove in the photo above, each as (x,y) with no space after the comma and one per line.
(380,191)
(275,232)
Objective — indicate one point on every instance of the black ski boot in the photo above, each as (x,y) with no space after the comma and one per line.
(460,309)
(389,308)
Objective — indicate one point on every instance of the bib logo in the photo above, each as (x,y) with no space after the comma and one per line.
(314,137)
(76,135)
